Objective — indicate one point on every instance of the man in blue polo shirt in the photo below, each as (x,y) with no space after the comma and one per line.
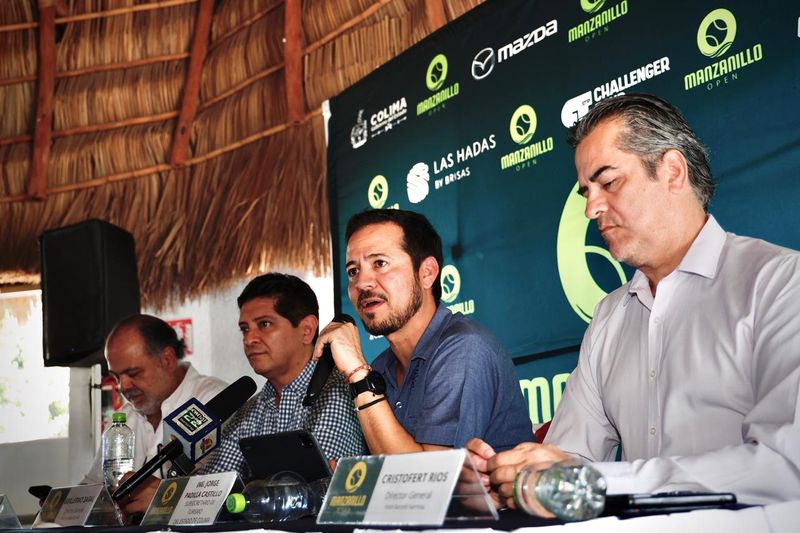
(444,379)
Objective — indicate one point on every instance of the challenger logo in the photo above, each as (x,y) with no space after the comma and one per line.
(580,288)
(716,33)
(715,36)
(451,283)
(378,192)
(356,476)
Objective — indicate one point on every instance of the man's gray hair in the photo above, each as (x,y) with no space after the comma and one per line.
(652,126)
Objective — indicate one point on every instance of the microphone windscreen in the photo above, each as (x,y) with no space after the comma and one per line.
(224,404)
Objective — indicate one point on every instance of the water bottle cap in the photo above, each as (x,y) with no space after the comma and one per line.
(119,417)
(236,502)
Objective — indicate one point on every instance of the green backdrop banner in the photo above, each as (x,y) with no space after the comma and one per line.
(468,127)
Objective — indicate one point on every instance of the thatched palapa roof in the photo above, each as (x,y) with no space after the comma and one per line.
(193,124)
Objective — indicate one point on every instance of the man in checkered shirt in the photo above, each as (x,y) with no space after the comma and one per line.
(279,320)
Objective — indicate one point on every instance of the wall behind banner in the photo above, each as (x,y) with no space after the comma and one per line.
(468,127)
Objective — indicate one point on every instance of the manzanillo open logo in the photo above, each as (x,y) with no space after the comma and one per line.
(437,73)
(523,124)
(378,192)
(716,33)
(592,7)
(715,36)
(451,283)
(580,288)
(435,77)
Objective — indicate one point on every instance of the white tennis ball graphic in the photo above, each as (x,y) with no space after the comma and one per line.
(417,183)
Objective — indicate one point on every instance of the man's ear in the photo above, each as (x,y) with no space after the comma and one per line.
(169,359)
(428,271)
(673,165)
(309,326)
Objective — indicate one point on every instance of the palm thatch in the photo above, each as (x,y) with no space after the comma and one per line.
(250,192)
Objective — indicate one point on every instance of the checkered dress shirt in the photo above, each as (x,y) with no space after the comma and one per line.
(330,419)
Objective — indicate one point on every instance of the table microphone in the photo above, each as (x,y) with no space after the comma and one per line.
(192,430)
(324,366)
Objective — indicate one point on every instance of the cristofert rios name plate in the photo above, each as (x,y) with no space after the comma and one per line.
(407,489)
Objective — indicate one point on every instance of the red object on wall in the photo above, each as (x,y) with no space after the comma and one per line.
(185,330)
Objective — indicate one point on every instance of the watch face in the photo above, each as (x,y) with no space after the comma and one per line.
(373,382)
(376,383)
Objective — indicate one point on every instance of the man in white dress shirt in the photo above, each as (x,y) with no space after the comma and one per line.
(145,356)
(692,369)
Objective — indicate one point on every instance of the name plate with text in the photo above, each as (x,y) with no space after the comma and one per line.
(407,489)
(189,501)
(81,505)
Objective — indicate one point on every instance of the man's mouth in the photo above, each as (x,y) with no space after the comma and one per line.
(133,396)
(605,229)
(370,303)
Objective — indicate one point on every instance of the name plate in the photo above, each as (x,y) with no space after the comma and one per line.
(407,489)
(8,518)
(189,501)
(81,505)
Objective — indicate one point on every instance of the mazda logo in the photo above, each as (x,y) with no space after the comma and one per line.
(483,63)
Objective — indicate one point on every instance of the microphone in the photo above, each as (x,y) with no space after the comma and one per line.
(324,366)
(197,426)
(191,431)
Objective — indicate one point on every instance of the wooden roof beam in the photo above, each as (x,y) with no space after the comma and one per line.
(293,61)
(43,128)
(191,89)
(435,15)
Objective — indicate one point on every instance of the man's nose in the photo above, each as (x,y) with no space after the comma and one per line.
(249,337)
(364,280)
(125,383)
(595,205)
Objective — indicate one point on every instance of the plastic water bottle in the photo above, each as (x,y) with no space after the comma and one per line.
(570,490)
(118,448)
(278,500)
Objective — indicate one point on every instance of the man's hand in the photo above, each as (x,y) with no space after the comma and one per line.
(504,467)
(345,344)
(479,453)
(139,500)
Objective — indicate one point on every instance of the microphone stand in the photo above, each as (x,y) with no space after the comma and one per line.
(181,466)
(170,452)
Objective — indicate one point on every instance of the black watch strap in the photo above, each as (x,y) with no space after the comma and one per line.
(372,382)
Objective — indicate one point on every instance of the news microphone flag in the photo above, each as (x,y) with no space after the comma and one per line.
(197,426)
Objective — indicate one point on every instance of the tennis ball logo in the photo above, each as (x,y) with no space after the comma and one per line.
(356,477)
(417,183)
(580,288)
(451,283)
(523,124)
(592,7)
(169,493)
(378,192)
(437,73)
(716,33)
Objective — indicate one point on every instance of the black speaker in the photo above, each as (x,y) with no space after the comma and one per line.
(89,283)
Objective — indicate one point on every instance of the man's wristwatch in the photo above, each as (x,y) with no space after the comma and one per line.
(373,382)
